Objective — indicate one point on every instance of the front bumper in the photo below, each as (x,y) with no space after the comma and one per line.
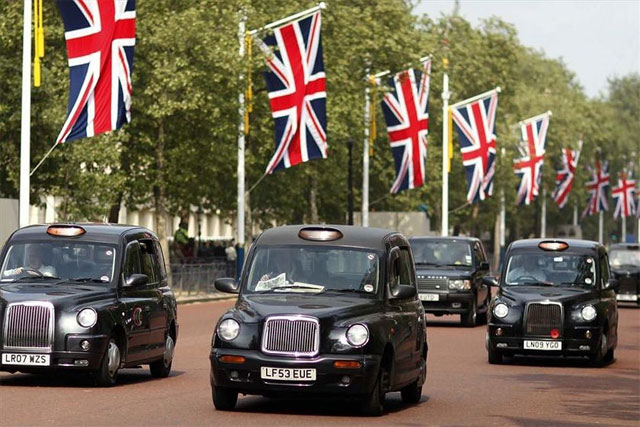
(328,378)
(577,344)
(72,359)
(449,303)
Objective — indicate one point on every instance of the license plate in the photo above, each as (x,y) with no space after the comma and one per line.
(543,345)
(429,297)
(288,374)
(25,359)
(627,297)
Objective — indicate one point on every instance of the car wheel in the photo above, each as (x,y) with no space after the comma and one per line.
(469,319)
(373,405)
(161,368)
(495,357)
(224,399)
(603,355)
(413,392)
(108,371)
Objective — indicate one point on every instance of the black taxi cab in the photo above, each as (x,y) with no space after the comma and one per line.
(322,311)
(555,298)
(625,265)
(450,277)
(85,297)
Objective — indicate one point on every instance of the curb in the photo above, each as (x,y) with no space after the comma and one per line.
(204,298)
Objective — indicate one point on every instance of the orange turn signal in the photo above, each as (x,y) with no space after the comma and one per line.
(347,364)
(233,359)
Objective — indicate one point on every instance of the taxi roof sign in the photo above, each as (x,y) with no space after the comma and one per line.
(65,230)
(552,245)
(321,234)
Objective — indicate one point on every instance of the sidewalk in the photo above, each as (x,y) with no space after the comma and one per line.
(188,299)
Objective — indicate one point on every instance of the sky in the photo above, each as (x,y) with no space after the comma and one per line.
(597,39)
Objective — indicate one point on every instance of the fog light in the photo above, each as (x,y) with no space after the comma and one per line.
(499,331)
(81,362)
(588,334)
(234,375)
(346,380)
(456,305)
(585,347)
(501,345)
(84,345)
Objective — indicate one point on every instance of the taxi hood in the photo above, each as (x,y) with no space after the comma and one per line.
(255,308)
(522,294)
(63,294)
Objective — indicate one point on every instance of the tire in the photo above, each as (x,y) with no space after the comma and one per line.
(224,399)
(373,405)
(604,356)
(413,392)
(470,318)
(108,372)
(494,357)
(162,367)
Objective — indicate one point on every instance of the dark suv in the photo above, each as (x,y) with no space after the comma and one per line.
(87,298)
(625,265)
(450,272)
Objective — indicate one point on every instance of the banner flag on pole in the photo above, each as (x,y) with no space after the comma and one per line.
(566,175)
(406,113)
(38,41)
(450,135)
(624,195)
(529,167)
(475,120)
(597,189)
(100,39)
(296,86)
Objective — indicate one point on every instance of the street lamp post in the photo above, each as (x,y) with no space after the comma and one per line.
(350,183)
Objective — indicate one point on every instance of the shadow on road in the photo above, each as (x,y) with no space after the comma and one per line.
(327,407)
(125,377)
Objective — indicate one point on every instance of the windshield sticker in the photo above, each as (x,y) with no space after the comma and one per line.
(109,253)
(371,256)
(557,259)
(368,288)
(104,278)
(467,258)
(589,260)
(268,284)
(587,281)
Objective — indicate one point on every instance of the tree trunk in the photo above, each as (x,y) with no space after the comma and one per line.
(248,219)
(114,211)
(313,191)
(159,194)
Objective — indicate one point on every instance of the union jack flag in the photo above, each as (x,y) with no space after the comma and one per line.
(624,194)
(475,123)
(100,36)
(597,189)
(406,112)
(566,175)
(296,86)
(529,167)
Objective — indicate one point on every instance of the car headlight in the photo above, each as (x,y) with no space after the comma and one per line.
(500,310)
(228,329)
(357,335)
(87,317)
(588,313)
(460,284)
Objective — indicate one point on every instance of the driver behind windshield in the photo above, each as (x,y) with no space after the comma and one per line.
(525,268)
(34,264)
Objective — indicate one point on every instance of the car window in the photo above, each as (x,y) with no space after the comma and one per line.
(161,261)
(132,260)
(478,254)
(548,268)
(604,267)
(442,253)
(149,261)
(406,272)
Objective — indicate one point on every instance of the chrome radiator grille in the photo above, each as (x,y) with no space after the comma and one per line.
(432,283)
(291,336)
(542,318)
(28,326)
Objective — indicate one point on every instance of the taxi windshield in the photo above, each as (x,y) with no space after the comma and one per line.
(313,269)
(61,261)
(441,253)
(551,269)
(625,257)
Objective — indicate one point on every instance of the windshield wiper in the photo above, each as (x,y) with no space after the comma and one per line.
(32,278)
(427,263)
(88,279)
(455,265)
(319,289)
(350,290)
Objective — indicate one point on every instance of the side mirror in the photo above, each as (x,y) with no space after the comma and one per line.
(484,265)
(136,280)
(490,281)
(404,292)
(613,284)
(227,284)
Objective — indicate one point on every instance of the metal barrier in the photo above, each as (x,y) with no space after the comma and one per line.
(198,279)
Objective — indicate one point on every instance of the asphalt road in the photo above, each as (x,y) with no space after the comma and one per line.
(461,389)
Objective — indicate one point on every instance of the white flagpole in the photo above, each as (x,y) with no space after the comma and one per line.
(241,107)
(25,124)
(299,15)
(477,97)
(445,154)
(365,155)
(623,234)
(600,227)
(543,221)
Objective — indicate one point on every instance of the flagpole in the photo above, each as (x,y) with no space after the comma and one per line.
(445,152)
(623,234)
(25,122)
(477,97)
(241,130)
(299,15)
(600,227)
(543,220)
(535,118)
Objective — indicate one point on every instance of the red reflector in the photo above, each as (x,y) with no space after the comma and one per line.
(65,230)
(553,246)
(555,333)
(232,359)
(346,364)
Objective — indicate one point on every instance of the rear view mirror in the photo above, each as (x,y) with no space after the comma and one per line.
(404,292)
(613,284)
(227,284)
(484,265)
(490,281)
(136,280)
